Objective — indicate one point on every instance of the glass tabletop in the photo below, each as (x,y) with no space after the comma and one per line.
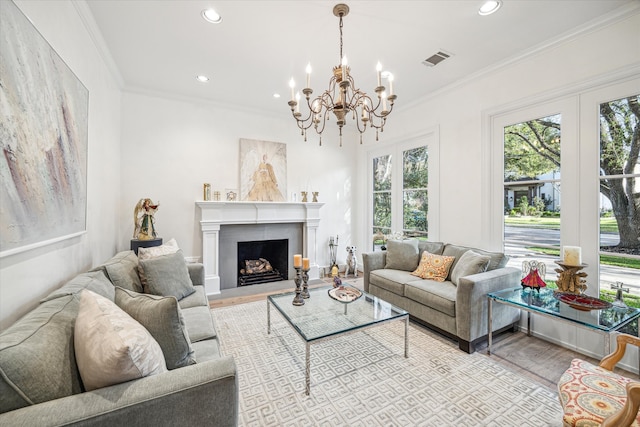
(609,319)
(322,316)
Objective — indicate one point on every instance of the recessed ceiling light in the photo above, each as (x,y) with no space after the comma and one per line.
(202,79)
(276,95)
(212,16)
(489,7)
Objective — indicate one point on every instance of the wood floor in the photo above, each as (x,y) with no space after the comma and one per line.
(531,357)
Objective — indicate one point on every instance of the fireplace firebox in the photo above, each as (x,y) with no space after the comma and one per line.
(263,261)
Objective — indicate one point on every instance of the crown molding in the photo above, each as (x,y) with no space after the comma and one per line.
(622,13)
(89,22)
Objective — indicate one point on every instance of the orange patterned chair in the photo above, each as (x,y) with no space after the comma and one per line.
(595,396)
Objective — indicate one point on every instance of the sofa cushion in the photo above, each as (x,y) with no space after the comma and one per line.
(37,359)
(440,296)
(167,275)
(433,267)
(402,255)
(122,270)
(432,247)
(498,259)
(95,281)
(196,299)
(469,263)
(162,317)
(111,347)
(391,280)
(207,350)
(199,323)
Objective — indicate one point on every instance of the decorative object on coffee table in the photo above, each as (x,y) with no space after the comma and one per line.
(570,278)
(337,281)
(532,274)
(305,278)
(297,264)
(345,293)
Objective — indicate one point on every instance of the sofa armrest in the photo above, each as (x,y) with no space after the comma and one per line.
(196,273)
(372,261)
(472,302)
(200,394)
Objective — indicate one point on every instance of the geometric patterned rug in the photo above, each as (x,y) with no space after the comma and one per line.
(363,378)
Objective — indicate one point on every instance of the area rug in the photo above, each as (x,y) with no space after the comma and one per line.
(363,378)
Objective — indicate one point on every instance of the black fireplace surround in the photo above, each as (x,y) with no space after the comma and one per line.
(274,251)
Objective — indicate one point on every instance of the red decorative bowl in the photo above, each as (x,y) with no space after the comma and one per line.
(581,302)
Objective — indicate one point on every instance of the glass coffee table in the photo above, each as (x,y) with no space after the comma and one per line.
(322,318)
(544,303)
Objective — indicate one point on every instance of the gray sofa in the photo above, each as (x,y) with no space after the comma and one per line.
(41,385)
(456,307)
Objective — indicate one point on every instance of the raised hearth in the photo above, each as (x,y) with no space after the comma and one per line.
(216,214)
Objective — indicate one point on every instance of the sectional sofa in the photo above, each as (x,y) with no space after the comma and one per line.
(451,299)
(53,361)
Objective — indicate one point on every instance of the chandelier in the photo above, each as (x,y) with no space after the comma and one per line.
(343,98)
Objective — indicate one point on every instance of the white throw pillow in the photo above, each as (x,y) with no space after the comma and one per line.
(110,346)
(171,247)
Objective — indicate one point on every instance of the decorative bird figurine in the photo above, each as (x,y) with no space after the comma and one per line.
(337,282)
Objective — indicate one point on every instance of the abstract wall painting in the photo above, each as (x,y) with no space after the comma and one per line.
(263,171)
(44,137)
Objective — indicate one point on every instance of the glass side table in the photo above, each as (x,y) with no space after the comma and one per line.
(545,304)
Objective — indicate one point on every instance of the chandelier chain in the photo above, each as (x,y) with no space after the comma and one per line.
(340,59)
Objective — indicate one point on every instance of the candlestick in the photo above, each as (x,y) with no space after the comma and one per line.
(298,300)
(297,261)
(379,71)
(292,85)
(305,286)
(308,70)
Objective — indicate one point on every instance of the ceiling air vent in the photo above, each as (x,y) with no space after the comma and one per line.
(437,58)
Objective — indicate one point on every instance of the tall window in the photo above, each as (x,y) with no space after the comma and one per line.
(532,196)
(415,203)
(400,200)
(382,168)
(619,189)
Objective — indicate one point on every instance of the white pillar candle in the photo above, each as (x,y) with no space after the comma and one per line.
(572,255)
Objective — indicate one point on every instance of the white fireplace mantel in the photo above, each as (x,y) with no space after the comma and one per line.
(215,214)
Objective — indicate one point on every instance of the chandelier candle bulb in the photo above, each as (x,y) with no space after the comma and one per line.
(572,255)
(308,70)
(292,85)
(297,260)
(379,70)
(390,78)
(305,263)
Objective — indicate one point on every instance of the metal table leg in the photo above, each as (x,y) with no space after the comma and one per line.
(406,337)
(307,370)
(489,322)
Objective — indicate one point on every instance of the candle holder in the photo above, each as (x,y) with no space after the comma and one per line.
(570,278)
(304,196)
(298,300)
(305,287)
(315,196)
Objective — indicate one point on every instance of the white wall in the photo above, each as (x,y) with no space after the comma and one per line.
(458,113)
(171,147)
(29,276)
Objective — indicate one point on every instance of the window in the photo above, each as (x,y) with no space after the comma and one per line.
(401,185)
(532,191)
(619,189)
(415,180)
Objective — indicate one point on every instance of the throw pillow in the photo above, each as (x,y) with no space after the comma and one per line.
(171,247)
(433,267)
(167,275)
(402,255)
(469,263)
(110,346)
(122,270)
(162,317)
